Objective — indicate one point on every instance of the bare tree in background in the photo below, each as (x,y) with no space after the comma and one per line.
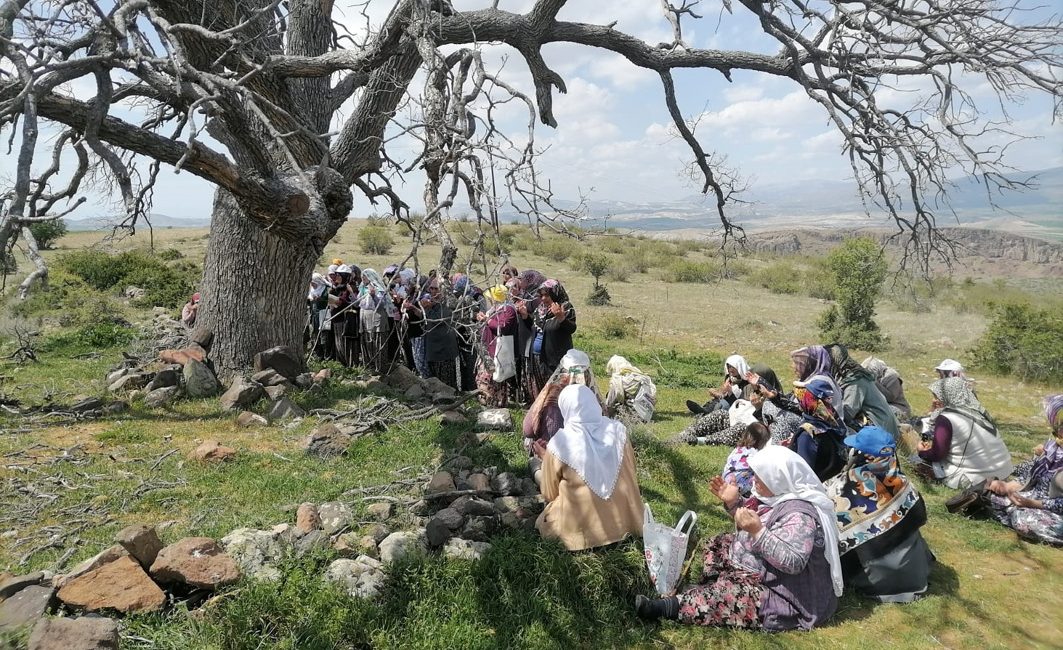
(266,79)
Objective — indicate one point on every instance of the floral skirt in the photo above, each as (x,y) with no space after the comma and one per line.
(1030,523)
(728,595)
(445,371)
(715,428)
(536,374)
(492,393)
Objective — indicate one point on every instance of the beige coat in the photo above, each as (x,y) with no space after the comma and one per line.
(580,518)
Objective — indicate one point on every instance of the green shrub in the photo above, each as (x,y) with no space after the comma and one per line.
(620,269)
(694,272)
(780,277)
(599,296)
(375,240)
(91,337)
(170,254)
(48,232)
(557,249)
(1024,341)
(615,325)
(858,269)
(164,286)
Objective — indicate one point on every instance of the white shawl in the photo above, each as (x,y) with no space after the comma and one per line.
(590,443)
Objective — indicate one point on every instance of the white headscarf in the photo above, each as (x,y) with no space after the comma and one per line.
(589,443)
(738,362)
(950,368)
(790,478)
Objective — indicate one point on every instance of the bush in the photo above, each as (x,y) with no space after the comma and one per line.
(165,286)
(694,272)
(375,240)
(599,296)
(620,269)
(557,249)
(171,254)
(1023,341)
(48,232)
(858,268)
(91,337)
(780,277)
(617,326)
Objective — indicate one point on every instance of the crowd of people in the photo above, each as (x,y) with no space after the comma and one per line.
(813,482)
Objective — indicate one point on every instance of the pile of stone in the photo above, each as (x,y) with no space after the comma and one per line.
(138,574)
(168,375)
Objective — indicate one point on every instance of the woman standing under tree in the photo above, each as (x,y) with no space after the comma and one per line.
(553,323)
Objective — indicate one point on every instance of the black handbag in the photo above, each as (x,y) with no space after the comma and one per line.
(970,501)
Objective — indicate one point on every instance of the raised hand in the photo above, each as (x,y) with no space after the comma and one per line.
(724,491)
(748,520)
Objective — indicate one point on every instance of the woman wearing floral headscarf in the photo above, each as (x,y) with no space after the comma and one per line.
(861,402)
(891,386)
(498,321)
(1032,503)
(965,447)
(819,439)
(815,360)
(553,323)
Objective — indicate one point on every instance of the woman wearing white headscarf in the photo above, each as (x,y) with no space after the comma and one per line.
(735,369)
(375,310)
(631,391)
(588,477)
(780,570)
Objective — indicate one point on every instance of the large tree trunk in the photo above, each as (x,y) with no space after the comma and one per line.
(254,288)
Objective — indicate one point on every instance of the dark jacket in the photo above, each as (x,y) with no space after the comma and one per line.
(440,342)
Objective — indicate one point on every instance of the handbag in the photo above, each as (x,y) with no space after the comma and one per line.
(505,360)
(969,502)
(666,549)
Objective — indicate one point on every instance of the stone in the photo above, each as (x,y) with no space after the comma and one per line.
(421,507)
(82,633)
(25,607)
(479,529)
(285,409)
(315,540)
(452,418)
(212,451)
(120,585)
(335,517)
(414,392)
(304,380)
(13,584)
(471,506)
(464,549)
(203,337)
(196,561)
(495,420)
(142,542)
(130,382)
(439,390)
(378,532)
(479,482)
(327,440)
(89,403)
(352,544)
(281,358)
(361,577)
(398,546)
(182,356)
(241,394)
(507,504)
(440,482)
(200,380)
(256,552)
(382,510)
(321,376)
(161,397)
(450,518)
(401,378)
(268,377)
(436,533)
(455,463)
(507,484)
(115,375)
(276,392)
(164,378)
(307,518)
(96,561)
(248,419)
(134,292)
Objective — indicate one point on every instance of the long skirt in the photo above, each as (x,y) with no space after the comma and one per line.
(445,371)
(420,363)
(536,374)
(345,343)
(1034,524)
(467,360)
(492,394)
(375,351)
(727,595)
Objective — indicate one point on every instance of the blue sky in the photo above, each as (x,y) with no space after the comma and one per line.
(614,139)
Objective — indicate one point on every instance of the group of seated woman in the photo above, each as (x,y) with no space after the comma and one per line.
(818,507)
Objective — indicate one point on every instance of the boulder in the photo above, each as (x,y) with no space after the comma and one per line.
(400,545)
(335,517)
(96,561)
(115,375)
(142,542)
(285,409)
(184,355)
(25,607)
(82,633)
(283,359)
(414,392)
(256,552)
(463,549)
(450,518)
(401,378)
(304,380)
(442,525)
(120,585)
(307,518)
(134,292)
(495,420)
(241,394)
(438,390)
(196,561)
(507,484)
(361,577)
(353,544)
(440,482)
(326,441)
(164,378)
(507,504)
(161,397)
(471,506)
(212,451)
(130,382)
(479,529)
(382,510)
(276,392)
(248,419)
(479,482)
(452,418)
(378,532)
(315,540)
(11,585)
(268,377)
(200,380)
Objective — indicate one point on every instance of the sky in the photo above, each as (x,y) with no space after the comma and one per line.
(614,139)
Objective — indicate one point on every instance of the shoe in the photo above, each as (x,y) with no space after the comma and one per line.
(966,501)
(652,609)
(694,407)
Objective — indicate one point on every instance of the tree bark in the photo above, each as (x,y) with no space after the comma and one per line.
(253,293)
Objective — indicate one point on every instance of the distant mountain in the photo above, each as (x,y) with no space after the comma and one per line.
(156,221)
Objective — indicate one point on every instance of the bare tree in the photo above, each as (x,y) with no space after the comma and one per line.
(248,95)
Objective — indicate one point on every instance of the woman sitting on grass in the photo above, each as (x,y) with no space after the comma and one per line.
(632,394)
(891,386)
(965,447)
(588,477)
(780,569)
(879,513)
(861,402)
(1032,503)
(819,439)
(735,369)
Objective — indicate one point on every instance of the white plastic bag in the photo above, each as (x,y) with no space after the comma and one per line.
(666,549)
(742,412)
(505,361)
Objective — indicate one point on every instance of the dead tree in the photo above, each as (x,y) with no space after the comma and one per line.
(248,95)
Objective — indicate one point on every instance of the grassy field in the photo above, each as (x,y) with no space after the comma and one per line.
(989,589)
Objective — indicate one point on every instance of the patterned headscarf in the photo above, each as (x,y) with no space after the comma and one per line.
(530,280)
(877,367)
(845,366)
(955,393)
(558,294)
(1053,410)
(814,360)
